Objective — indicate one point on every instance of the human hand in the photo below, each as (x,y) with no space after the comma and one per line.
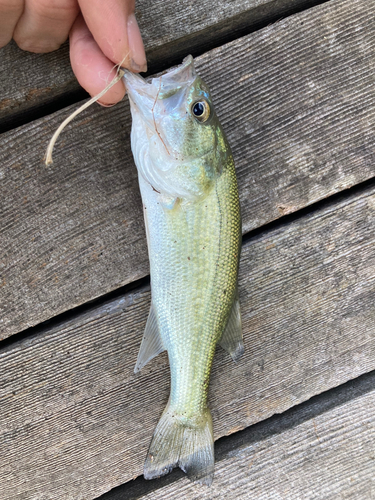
(102,33)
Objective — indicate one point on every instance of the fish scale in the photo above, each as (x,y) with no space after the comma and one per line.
(188,282)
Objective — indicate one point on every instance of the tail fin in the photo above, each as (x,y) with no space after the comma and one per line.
(185,442)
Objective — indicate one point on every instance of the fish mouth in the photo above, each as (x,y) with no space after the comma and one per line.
(145,92)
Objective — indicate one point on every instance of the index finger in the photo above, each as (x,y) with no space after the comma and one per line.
(91,67)
(115,29)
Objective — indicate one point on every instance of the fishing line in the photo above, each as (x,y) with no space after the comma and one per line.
(153,117)
(119,74)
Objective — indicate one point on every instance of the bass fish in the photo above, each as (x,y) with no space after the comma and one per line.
(193,224)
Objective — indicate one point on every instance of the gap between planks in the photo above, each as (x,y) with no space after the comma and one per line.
(52,96)
(250,438)
(70,395)
(297,137)
(134,286)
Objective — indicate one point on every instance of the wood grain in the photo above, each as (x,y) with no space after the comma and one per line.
(327,457)
(75,420)
(297,102)
(170,31)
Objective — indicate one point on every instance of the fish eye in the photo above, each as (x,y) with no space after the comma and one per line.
(201,111)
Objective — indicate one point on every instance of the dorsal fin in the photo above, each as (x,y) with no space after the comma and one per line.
(231,339)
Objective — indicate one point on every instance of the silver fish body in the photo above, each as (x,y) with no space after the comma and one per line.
(193,224)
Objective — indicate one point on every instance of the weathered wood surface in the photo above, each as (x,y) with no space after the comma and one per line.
(297,102)
(169,29)
(76,421)
(306,454)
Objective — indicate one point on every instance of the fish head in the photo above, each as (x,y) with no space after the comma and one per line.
(177,142)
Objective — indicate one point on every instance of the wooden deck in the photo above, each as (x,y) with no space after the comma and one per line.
(294,85)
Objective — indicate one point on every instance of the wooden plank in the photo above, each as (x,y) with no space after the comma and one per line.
(75,419)
(31,83)
(170,30)
(327,457)
(74,231)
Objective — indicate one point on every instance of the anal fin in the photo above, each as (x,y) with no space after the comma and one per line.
(152,344)
(231,339)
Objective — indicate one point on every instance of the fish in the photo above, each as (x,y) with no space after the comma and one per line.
(189,191)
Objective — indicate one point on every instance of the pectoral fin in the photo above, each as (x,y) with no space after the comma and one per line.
(152,344)
(231,339)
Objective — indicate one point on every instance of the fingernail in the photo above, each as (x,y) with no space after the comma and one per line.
(137,52)
(106,105)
